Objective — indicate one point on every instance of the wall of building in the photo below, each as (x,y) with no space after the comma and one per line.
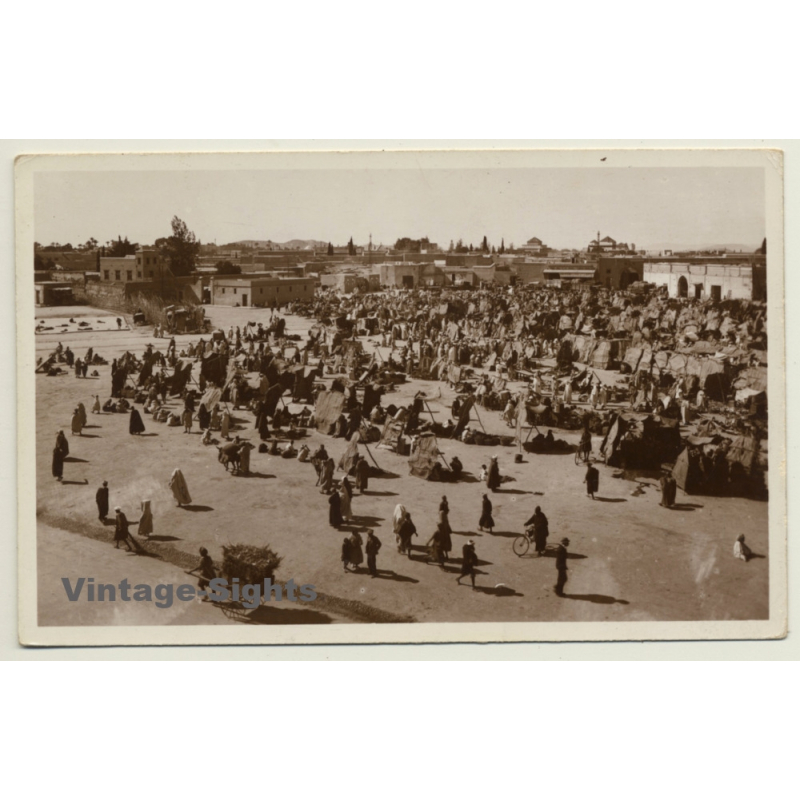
(342,283)
(263,292)
(734,282)
(106,295)
(46,294)
(468,259)
(119,269)
(402,275)
(122,296)
(149,265)
(531,273)
(619,273)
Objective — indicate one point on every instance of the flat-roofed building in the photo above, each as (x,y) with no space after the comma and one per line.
(53,293)
(619,273)
(408,276)
(703,281)
(119,268)
(254,290)
(146,265)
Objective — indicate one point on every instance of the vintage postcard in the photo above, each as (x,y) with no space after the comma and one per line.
(401,396)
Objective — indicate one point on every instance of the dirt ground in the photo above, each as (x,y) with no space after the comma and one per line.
(630,559)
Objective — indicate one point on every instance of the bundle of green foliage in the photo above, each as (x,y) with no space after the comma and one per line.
(248,563)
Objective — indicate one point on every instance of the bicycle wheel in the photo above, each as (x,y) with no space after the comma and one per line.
(521,545)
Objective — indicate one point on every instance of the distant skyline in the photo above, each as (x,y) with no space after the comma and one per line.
(653,208)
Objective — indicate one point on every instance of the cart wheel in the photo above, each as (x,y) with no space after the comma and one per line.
(521,545)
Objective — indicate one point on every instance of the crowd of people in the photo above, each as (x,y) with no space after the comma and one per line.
(476,343)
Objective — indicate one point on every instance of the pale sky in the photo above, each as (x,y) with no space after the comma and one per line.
(564,207)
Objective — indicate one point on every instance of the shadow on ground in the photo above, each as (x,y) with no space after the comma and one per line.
(597,598)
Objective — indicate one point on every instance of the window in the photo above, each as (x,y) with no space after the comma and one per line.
(106,274)
(235,291)
(117,274)
(129,273)
(150,273)
(223,290)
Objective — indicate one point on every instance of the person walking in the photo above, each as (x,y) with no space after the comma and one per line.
(77,423)
(592,480)
(405,532)
(398,515)
(561,567)
(486,521)
(180,491)
(62,444)
(345,556)
(673,490)
(58,463)
(346,494)
(436,547)
(335,518)
(146,520)
(207,573)
(356,550)
(493,477)
(187,420)
(81,410)
(121,532)
(373,547)
(362,475)
(741,550)
(326,477)
(101,498)
(444,526)
(135,424)
(665,484)
(540,530)
(469,561)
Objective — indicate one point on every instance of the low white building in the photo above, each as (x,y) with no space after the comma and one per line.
(702,281)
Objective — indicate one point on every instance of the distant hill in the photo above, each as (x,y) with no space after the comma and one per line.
(292,244)
(730,248)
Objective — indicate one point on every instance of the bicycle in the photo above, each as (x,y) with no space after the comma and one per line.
(522,543)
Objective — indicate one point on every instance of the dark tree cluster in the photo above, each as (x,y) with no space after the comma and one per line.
(412,245)
(181,249)
(120,248)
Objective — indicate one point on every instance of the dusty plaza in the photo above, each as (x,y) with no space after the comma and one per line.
(401,397)
(629,559)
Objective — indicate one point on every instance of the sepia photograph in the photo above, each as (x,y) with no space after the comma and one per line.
(401,396)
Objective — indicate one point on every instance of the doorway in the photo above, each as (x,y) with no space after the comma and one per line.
(683,287)
(244,299)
